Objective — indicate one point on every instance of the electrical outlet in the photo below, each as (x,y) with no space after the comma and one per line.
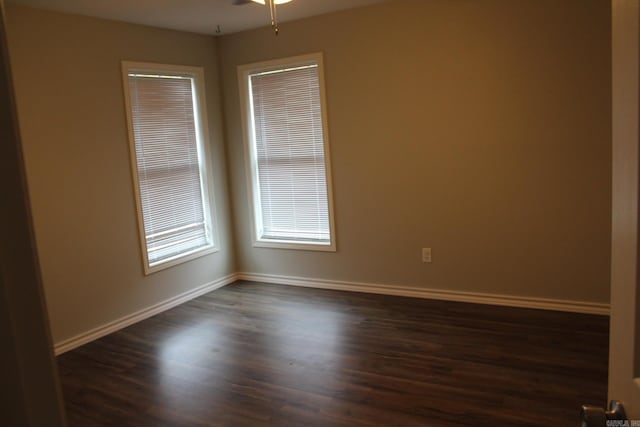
(426,254)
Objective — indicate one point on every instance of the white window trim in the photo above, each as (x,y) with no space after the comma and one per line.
(249,147)
(202,132)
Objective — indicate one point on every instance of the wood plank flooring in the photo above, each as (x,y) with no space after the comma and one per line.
(254,354)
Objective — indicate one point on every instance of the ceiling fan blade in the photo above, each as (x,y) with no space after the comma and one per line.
(241,2)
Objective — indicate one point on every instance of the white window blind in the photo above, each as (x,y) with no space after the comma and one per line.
(289,155)
(169,165)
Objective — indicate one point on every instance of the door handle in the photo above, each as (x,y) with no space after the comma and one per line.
(593,416)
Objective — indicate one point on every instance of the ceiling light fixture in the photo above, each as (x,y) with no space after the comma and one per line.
(276,1)
(272,9)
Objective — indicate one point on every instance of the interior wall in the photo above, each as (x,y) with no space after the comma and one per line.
(481,129)
(72,118)
(31,394)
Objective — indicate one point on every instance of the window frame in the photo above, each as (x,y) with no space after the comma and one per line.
(204,159)
(248,130)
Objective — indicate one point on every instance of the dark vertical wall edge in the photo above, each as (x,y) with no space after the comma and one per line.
(31,392)
(637,336)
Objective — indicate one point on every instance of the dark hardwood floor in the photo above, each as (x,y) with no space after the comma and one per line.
(265,355)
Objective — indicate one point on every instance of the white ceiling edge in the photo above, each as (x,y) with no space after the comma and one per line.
(197,16)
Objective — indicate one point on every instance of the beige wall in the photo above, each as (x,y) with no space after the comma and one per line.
(480,129)
(71,111)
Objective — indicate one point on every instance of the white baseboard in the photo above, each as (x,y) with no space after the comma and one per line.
(405,291)
(439,294)
(94,334)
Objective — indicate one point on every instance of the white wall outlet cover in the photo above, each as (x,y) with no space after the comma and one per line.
(426,254)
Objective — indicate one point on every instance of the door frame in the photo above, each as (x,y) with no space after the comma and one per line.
(624,360)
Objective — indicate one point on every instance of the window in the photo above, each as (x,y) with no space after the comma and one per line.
(167,134)
(288,153)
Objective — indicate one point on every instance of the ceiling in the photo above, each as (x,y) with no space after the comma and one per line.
(198,16)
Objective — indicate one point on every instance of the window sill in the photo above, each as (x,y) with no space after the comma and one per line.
(301,246)
(179,259)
